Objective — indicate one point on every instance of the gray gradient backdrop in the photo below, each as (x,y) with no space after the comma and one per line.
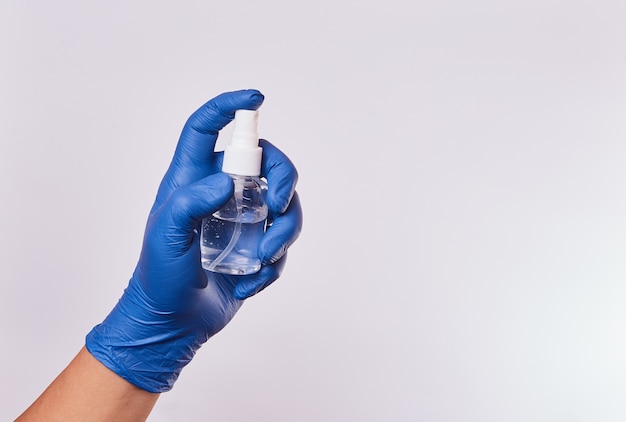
(462,175)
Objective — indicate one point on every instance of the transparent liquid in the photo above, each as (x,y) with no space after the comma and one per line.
(229,239)
(243,257)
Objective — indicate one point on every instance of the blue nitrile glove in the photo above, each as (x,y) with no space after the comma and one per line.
(171,305)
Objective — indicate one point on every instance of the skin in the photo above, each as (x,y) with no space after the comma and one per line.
(87,390)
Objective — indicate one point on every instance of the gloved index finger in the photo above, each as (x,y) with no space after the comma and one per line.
(194,158)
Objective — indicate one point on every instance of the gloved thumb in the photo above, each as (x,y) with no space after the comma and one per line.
(172,226)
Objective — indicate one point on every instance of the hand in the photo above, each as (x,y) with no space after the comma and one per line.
(171,305)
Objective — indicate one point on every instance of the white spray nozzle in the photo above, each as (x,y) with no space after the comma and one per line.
(242,156)
(245,130)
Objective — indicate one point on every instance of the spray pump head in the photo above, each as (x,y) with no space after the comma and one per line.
(242,156)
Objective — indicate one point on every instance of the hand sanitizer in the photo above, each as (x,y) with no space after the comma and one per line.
(230,237)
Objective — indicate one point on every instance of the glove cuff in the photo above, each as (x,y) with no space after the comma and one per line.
(146,348)
(135,362)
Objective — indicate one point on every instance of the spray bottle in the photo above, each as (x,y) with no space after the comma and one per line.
(230,237)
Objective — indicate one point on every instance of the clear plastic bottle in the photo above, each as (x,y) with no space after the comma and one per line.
(230,238)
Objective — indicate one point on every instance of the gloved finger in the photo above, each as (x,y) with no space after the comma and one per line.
(281,176)
(284,230)
(174,223)
(252,284)
(194,158)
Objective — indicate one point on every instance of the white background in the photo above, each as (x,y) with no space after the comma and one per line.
(462,175)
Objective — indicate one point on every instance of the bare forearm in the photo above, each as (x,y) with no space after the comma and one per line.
(87,390)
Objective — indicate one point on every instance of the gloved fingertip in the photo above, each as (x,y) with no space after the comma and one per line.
(222,179)
(257,98)
(240,293)
(270,255)
(219,186)
(277,205)
(252,97)
(243,291)
(253,284)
